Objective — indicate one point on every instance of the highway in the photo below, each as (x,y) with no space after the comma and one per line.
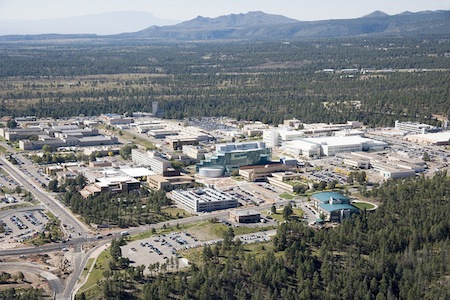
(62,213)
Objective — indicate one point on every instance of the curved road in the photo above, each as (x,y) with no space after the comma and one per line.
(55,283)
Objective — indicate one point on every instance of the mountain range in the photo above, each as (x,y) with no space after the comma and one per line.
(101,24)
(262,26)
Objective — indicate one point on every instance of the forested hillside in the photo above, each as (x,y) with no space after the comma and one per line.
(405,78)
(399,251)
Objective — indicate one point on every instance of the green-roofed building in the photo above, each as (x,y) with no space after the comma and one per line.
(334,206)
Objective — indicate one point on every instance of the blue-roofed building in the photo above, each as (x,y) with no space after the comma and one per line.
(334,206)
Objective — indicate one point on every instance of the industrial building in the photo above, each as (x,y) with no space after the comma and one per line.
(115,119)
(205,199)
(437,139)
(333,206)
(330,146)
(231,156)
(388,166)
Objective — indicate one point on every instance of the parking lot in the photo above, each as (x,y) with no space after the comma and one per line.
(7,181)
(159,249)
(21,226)
(164,248)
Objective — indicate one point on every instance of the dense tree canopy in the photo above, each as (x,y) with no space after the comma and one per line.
(267,81)
(399,251)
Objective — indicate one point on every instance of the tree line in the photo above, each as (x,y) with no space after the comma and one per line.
(399,251)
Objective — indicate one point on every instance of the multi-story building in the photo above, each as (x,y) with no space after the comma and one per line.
(146,158)
(119,184)
(195,152)
(206,199)
(415,128)
(234,155)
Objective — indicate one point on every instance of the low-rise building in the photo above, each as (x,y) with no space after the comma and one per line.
(244,216)
(261,172)
(205,199)
(282,180)
(169,183)
(333,206)
(120,184)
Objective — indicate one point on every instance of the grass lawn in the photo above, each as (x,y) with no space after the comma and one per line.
(87,267)
(286,196)
(173,211)
(127,135)
(296,214)
(90,288)
(363,205)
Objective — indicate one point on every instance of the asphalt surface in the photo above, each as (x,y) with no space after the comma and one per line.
(55,283)
(47,200)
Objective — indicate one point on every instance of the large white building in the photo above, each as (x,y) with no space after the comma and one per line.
(438,138)
(146,158)
(206,199)
(330,146)
(414,128)
(276,137)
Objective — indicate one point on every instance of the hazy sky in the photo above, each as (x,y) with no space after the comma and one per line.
(303,10)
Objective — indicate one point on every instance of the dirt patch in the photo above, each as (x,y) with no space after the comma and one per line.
(30,280)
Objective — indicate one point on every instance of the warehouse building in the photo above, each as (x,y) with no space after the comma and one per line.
(330,146)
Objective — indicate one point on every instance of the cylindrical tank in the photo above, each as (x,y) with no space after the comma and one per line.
(211,171)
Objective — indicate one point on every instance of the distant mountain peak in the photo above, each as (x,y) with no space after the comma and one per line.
(377,14)
(252,18)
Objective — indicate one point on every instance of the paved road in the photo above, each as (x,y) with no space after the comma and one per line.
(46,199)
(55,283)
(5,213)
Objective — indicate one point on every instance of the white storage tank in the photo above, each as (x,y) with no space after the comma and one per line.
(211,171)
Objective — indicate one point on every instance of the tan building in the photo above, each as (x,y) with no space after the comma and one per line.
(281,180)
(169,183)
(261,172)
(110,184)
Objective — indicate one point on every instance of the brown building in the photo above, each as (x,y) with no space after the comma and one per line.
(244,216)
